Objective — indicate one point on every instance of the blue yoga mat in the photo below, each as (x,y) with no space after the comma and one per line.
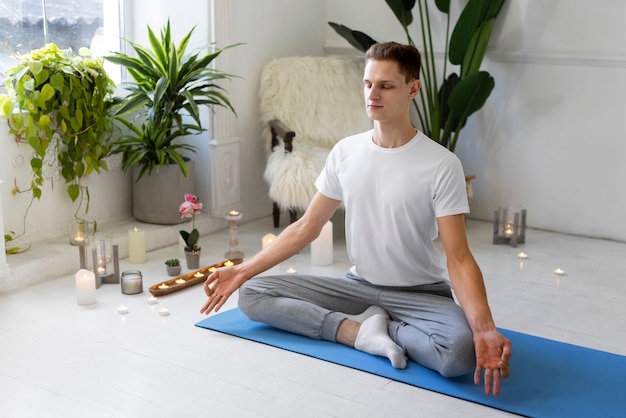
(548,378)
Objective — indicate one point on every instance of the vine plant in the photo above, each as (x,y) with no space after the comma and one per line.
(60,105)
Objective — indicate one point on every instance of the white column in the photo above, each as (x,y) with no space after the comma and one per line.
(225,168)
(5,271)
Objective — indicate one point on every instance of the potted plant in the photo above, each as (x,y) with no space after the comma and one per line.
(169,87)
(173,266)
(60,105)
(445,108)
(189,209)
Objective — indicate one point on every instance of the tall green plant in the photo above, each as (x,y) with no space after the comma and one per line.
(60,105)
(169,85)
(444,109)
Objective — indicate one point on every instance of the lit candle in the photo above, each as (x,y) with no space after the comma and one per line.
(212,269)
(508,230)
(164,312)
(163,286)
(85,287)
(228,263)
(522,255)
(180,281)
(233,213)
(322,246)
(122,310)
(152,300)
(291,270)
(136,246)
(267,240)
(197,275)
(559,272)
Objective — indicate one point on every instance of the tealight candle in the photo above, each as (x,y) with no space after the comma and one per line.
(164,312)
(291,270)
(228,263)
(163,286)
(522,255)
(559,272)
(267,240)
(122,310)
(212,269)
(197,275)
(180,281)
(152,300)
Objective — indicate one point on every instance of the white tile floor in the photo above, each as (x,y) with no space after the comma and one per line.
(58,359)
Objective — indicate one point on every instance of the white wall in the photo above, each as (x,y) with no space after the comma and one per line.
(551,136)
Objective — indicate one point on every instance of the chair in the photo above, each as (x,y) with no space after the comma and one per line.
(307,104)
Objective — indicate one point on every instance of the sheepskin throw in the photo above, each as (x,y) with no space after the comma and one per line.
(321,100)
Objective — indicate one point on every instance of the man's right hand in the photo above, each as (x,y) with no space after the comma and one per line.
(218,287)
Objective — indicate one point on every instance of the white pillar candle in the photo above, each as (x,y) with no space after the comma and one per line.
(85,287)
(136,246)
(322,246)
(267,240)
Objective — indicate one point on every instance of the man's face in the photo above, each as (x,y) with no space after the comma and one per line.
(387,94)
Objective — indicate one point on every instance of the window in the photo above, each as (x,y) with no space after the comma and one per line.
(30,24)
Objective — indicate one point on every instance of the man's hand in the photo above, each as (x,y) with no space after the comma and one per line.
(493,351)
(218,287)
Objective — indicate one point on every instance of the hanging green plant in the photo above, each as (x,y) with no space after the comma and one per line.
(60,105)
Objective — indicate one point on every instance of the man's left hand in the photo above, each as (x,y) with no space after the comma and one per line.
(493,351)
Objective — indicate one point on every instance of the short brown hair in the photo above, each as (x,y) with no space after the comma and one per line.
(407,56)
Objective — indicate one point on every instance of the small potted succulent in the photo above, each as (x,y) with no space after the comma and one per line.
(173,266)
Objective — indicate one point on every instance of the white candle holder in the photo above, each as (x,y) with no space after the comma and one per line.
(507,230)
(233,217)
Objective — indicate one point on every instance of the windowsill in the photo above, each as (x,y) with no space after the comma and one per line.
(54,257)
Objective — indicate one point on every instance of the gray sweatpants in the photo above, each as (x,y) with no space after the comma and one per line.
(426,322)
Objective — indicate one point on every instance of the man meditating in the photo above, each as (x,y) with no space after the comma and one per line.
(400,190)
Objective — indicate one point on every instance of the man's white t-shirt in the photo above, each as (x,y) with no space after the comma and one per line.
(392,197)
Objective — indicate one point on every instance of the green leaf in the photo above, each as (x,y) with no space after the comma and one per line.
(470,94)
(73,191)
(357,39)
(192,240)
(44,122)
(402,10)
(443,6)
(475,13)
(477,48)
(185,236)
(36,67)
(47,92)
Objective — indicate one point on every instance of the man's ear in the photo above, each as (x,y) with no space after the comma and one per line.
(415,88)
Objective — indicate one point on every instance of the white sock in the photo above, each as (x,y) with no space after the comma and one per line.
(371,311)
(373,338)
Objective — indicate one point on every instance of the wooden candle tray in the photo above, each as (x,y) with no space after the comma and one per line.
(190,279)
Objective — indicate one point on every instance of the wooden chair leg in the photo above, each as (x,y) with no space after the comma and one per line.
(293,215)
(276,214)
